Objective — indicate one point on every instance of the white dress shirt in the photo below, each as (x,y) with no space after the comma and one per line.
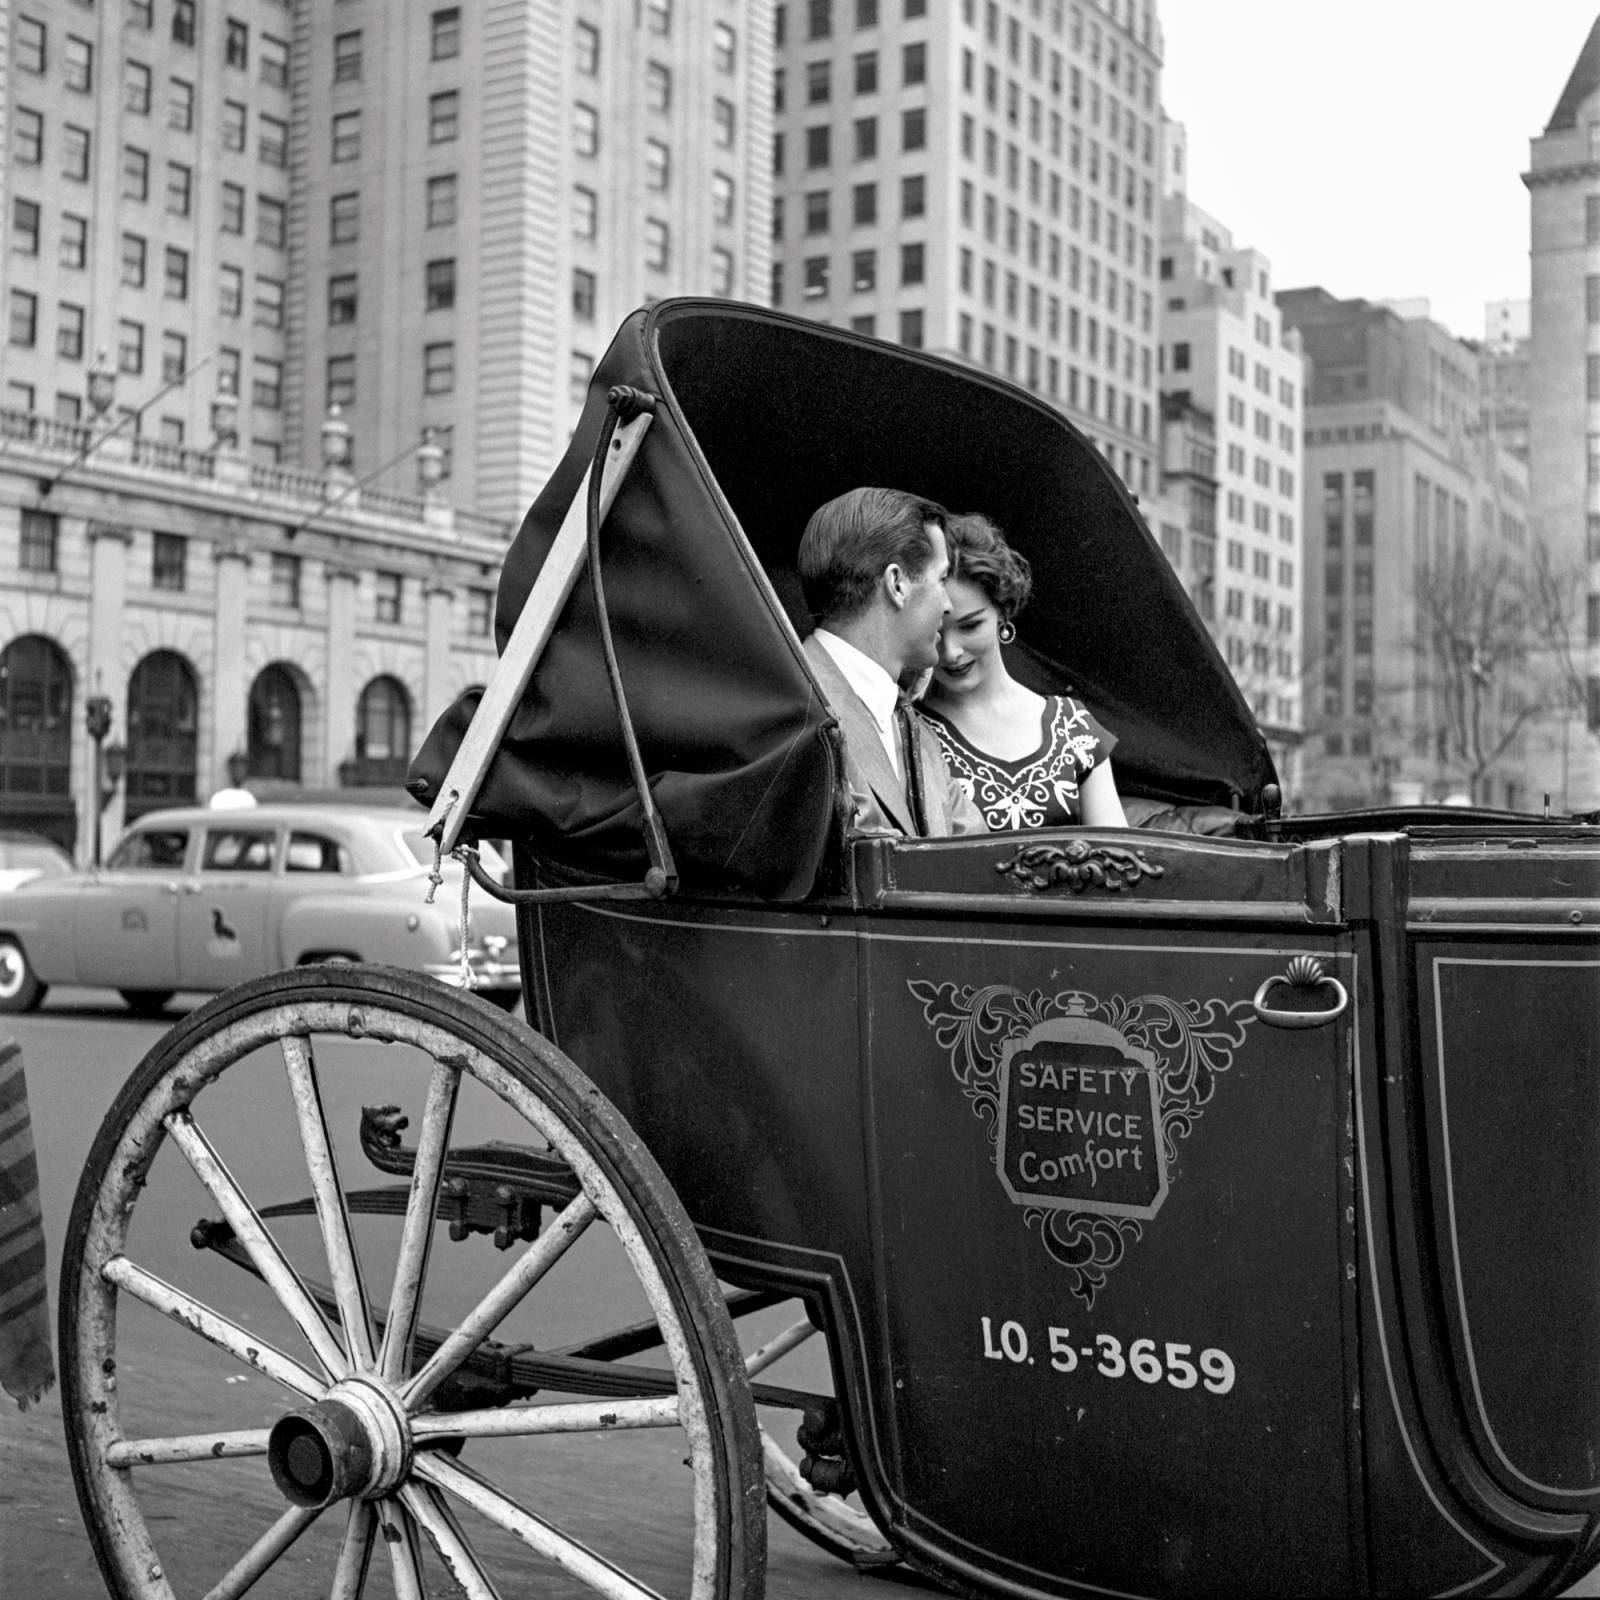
(879,693)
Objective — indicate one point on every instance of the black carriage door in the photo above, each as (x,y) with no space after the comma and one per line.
(1115,1234)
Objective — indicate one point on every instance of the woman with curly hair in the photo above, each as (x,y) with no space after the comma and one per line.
(1028,761)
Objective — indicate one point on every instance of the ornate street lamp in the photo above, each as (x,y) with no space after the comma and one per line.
(336,451)
(97,723)
(225,413)
(430,462)
(102,384)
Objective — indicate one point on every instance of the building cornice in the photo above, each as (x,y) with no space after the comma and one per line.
(1574,172)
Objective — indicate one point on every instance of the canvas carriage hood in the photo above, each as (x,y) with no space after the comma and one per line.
(763,418)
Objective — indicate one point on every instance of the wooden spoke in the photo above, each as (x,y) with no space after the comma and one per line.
(517,1421)
(411,1268)
(567,1553)
(355,1552)
(405,1550)
(263,1249)
(553,1242)
(187,1447)
(428,1508)
(349,1291)
(218,1330)
(261,1555)
(777,1348)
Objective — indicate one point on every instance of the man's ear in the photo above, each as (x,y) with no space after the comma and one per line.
(896,586)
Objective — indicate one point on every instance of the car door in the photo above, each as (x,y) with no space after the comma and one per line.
(223,925)
(125,923)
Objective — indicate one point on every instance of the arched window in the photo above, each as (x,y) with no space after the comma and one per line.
(383,734)
(274,725)
(163,705)
(36,738)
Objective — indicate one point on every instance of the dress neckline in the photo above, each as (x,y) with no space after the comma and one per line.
(1046,719)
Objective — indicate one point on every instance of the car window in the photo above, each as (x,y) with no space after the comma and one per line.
(153,849)
(238,850)
(311,852)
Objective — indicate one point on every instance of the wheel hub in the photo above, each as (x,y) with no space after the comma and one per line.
(353,1442)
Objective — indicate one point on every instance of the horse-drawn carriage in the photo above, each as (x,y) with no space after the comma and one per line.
(1208,1207)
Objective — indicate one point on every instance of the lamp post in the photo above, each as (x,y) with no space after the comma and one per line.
(102,384)
(97,722)
(238,768)
(225,414)
(430,462)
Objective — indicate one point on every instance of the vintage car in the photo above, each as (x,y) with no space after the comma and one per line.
(26,856)
(202,899)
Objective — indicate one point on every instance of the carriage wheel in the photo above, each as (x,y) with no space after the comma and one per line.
(227,1433)
(833,1520)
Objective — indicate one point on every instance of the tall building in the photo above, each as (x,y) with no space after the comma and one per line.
(1226,352)
(430,215)
(1564,369)
(1503,366)
(1416,526)
(980,178)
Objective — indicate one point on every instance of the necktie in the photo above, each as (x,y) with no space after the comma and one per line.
(913,768)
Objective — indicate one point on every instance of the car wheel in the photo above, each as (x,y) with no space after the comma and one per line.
(146,1002)
(20,989)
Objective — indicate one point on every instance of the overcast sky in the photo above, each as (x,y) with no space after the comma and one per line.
(1374,147)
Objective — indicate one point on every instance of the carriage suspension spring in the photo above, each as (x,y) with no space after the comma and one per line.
(826,1463)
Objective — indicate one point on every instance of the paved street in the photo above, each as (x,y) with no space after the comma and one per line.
(77,1052)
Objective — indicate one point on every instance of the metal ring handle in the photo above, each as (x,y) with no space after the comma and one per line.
(1305,972)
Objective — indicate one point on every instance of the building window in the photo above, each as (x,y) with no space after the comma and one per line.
(169,562)
(341,381)
(658,17)
(283,581)
(272,225)
(74,245)
(912,265)
(27,138)
(383,723)
(657,168)
(347,57)
(439,367)
(444,29)
(273,141)
(41,534)
(817,209)
(587,48)
(180,105)
(867,13)
(914,129)
(583,293)
(77,64)
(441,200)
(579,373)
(345,144)
(722,195)
(724,47)
(480,613)
(444,118)
(174,356)
(342,298)
(816,277)
(864,271)
(69,332)
(233,125)
(819,83)
(130,347)
(819,146)
(180,189)
(24,227)
(911,329)
(230,290)
(236,45)
(136,88)
(389,588)
(440,285)
(721,270)
(344,218)
(585,129)
(28,45)
(657,244)
(273,55)
(266,384)
(75,153)
(865,131)
(819,19)
(863,206)
(866,70)
(657,86)
(175,283)
(913,196)
(183,22)
(914,64)
(268,309)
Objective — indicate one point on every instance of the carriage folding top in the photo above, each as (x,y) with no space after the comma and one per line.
(763,418)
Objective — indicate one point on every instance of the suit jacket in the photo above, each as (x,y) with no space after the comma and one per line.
(877,792)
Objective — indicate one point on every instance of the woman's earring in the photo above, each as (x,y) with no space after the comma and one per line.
(1007,632)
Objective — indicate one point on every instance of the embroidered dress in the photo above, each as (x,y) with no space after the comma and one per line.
(1040,790)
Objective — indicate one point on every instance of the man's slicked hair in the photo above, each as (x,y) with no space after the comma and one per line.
(849,541)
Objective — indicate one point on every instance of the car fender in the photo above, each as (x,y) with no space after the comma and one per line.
(41,921)
(392,925)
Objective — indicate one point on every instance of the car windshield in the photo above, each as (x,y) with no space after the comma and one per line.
(157,848)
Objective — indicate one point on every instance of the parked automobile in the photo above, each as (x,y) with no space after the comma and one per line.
(25,856)
(201,898)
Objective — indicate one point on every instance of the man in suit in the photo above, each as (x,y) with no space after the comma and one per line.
(873,564)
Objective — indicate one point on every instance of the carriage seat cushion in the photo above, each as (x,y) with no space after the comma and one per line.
(1160,815)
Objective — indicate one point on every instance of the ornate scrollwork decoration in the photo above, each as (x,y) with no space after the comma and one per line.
(1077,864)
